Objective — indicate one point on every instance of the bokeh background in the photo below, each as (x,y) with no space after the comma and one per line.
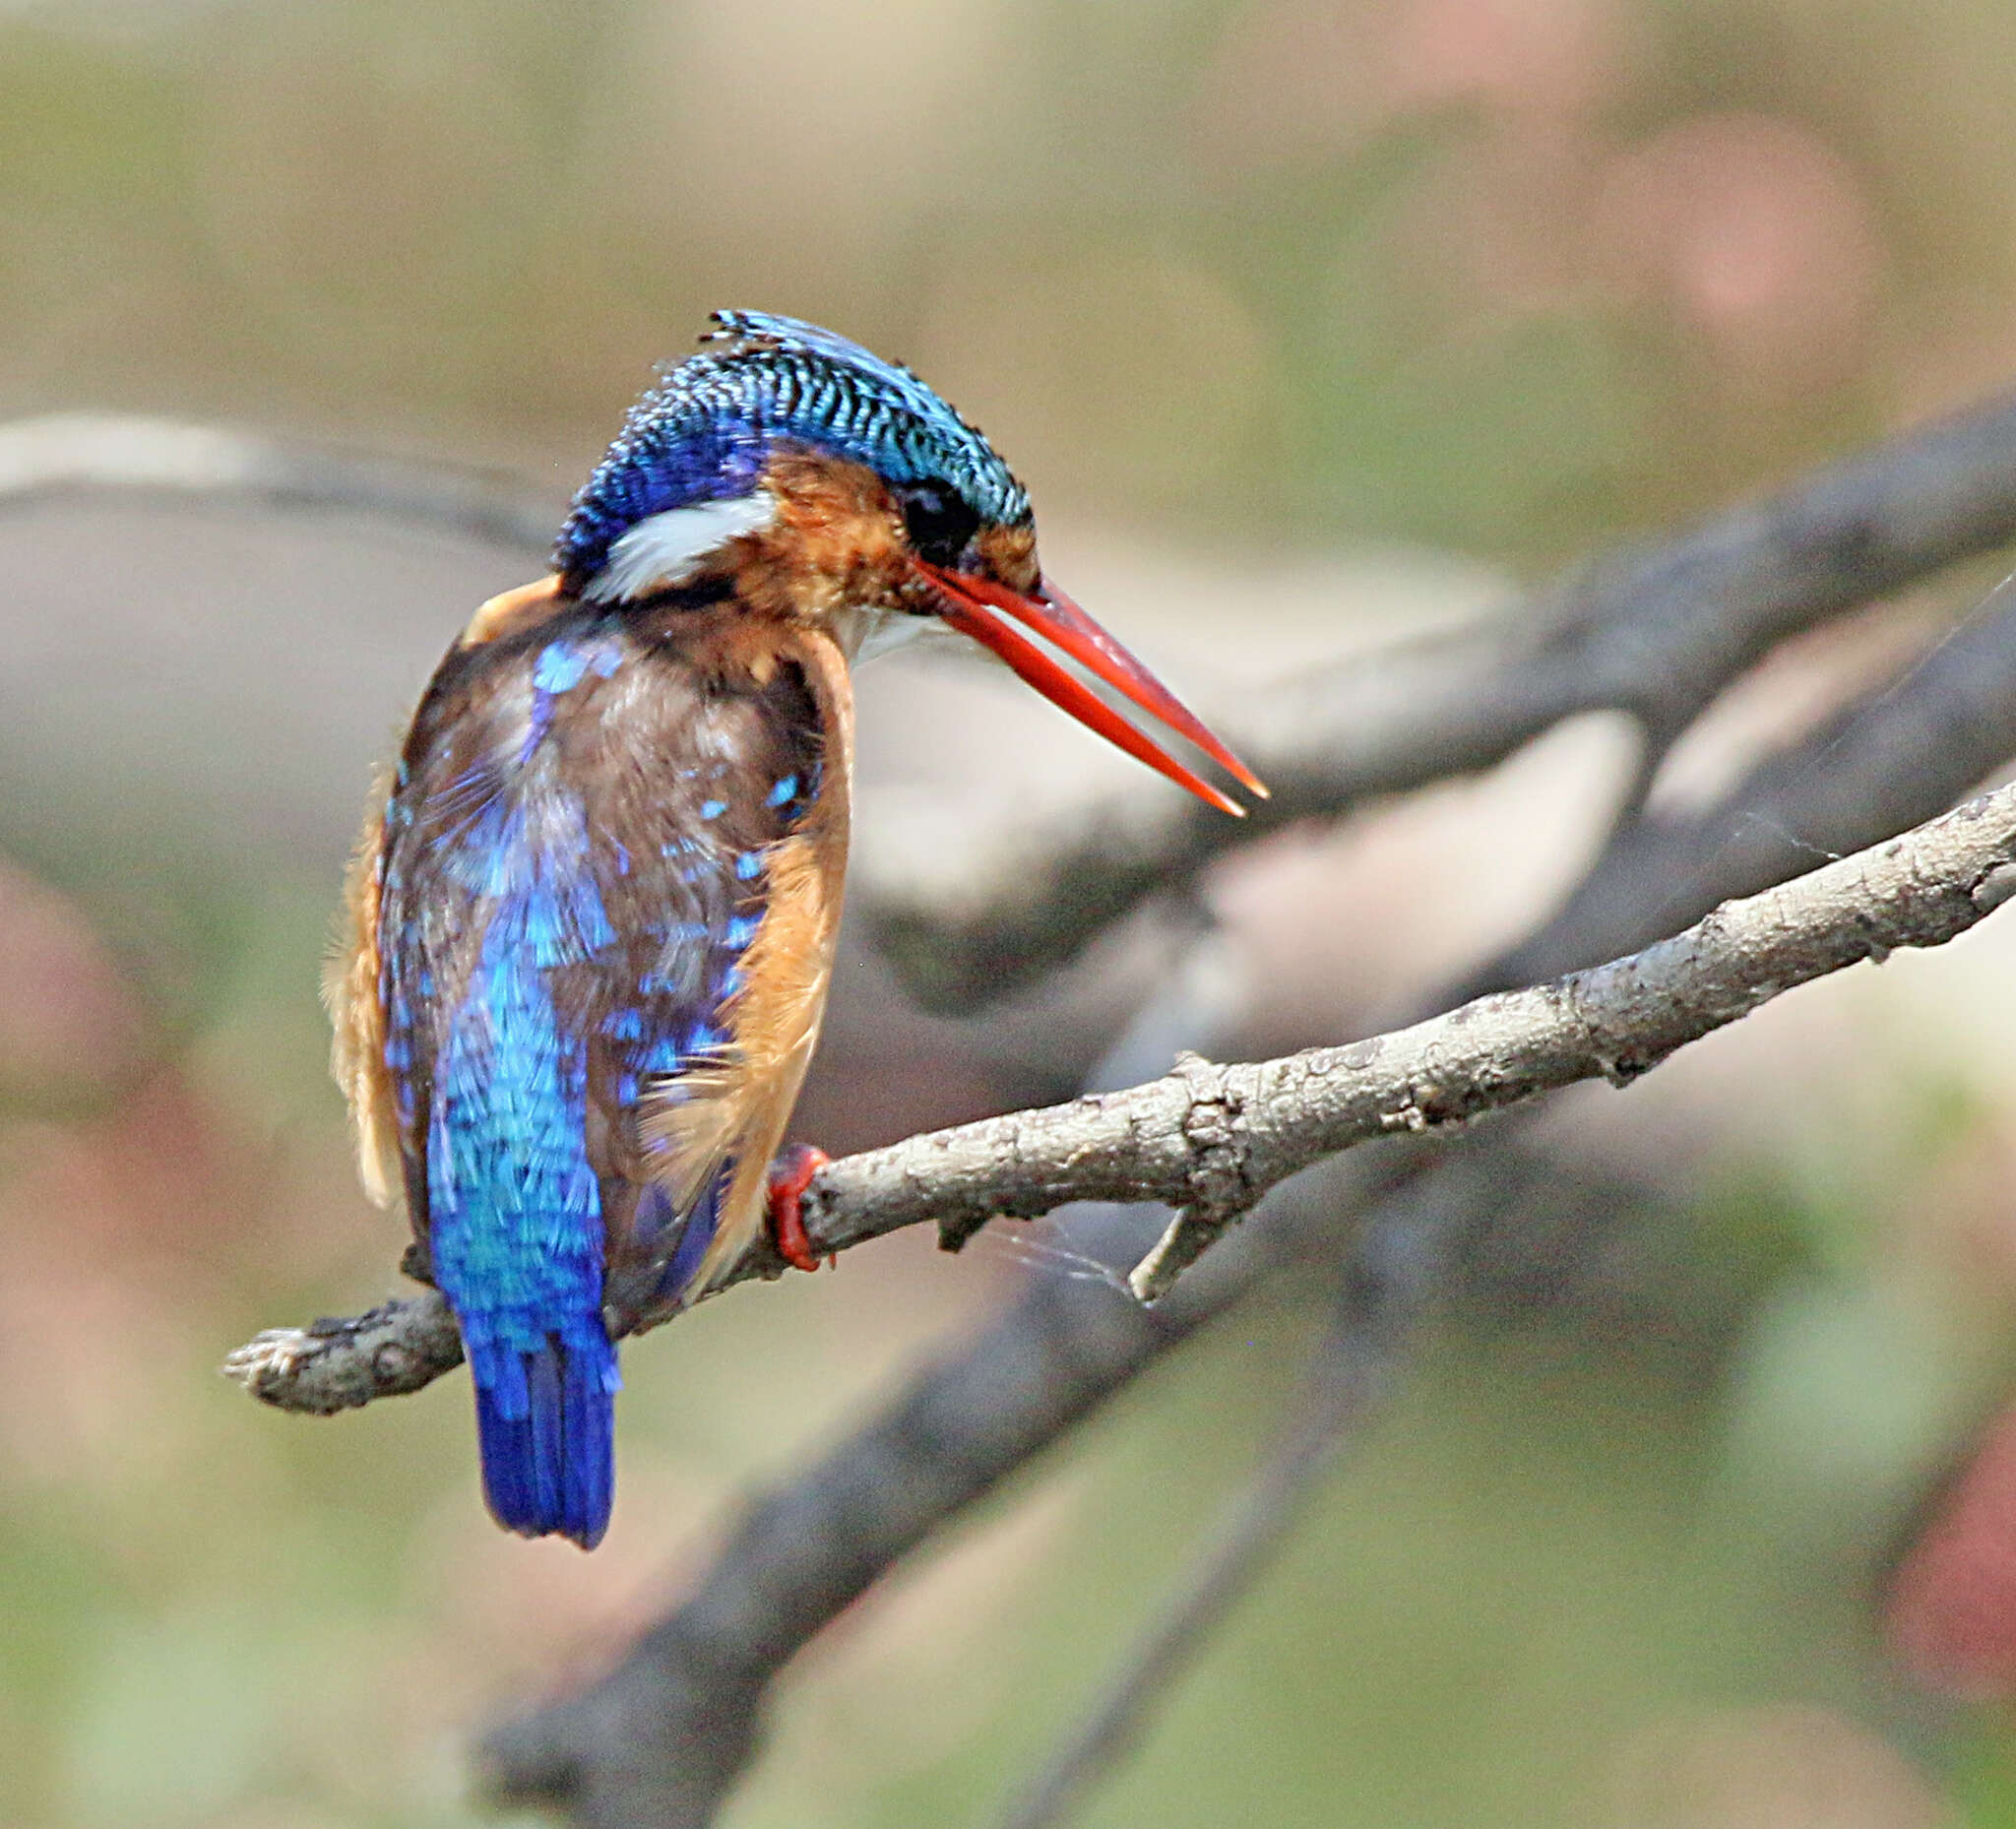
(1310,323)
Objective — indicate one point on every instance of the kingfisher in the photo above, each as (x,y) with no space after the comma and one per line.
(590,928)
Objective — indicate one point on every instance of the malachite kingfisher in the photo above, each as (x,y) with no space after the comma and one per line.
(592,920)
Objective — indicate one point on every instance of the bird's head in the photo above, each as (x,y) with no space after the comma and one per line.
(795,473)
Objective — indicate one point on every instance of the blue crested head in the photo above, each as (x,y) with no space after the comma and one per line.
(706,431)
(790,472)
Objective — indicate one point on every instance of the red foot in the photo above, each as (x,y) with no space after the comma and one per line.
(790,1177)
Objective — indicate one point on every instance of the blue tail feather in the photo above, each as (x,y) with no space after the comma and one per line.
(546,1423)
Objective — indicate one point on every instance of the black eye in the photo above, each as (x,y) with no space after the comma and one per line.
(940,521)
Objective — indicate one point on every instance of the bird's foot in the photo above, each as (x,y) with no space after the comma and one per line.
(791,1174)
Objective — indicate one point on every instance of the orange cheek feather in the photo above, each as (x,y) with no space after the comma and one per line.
(349,991)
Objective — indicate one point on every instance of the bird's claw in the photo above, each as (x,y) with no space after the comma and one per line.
(791,1174)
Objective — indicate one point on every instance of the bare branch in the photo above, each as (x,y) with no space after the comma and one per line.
(1657,631)
(344,1363)
(1209,1140)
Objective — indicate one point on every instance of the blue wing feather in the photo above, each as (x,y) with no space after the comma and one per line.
(567,895)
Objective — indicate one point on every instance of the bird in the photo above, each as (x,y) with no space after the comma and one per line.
(589,929)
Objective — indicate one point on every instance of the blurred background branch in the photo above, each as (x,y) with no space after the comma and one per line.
(88,454)
(1348,1373)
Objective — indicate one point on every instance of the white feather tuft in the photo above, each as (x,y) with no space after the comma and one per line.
(883,631)
(668,549)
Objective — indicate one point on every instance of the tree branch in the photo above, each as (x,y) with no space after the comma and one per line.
(1209,1140)
(1877,766)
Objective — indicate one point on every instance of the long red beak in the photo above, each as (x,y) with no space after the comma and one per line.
(971,605)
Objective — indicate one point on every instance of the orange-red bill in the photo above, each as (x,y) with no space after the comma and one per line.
(971,603)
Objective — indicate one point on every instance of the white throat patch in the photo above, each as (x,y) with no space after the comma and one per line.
(887,630)
(670,549)
(865,633)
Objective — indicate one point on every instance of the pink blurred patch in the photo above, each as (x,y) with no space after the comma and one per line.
(1550,59)
(115,1234)
(1950,1614)
(1757,233)
(155,1181)
(69,1024)
(87,1365)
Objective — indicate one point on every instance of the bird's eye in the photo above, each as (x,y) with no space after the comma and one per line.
(940,521)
